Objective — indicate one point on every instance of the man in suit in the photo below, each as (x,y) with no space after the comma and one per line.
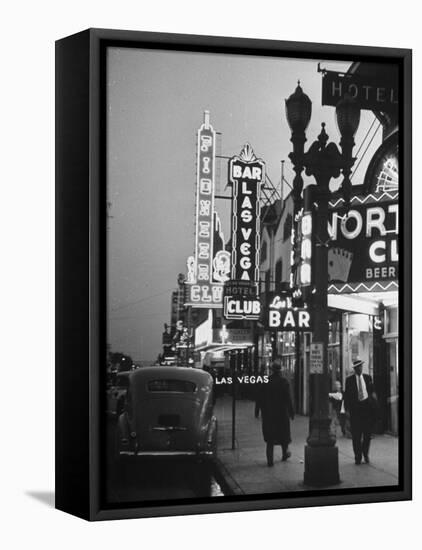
(277,411)
(359,398)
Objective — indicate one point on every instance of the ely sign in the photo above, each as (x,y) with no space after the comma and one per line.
(364,243)
(281,316)
(373,94)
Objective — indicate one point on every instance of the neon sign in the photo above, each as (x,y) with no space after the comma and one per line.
(241,308)
(364,244)
(247,173)
(282,316)
(204,284)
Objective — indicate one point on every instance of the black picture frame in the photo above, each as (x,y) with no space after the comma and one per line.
(80,270)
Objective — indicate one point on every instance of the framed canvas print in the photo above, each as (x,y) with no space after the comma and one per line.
(233,274)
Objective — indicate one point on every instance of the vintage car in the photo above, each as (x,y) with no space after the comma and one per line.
(168,411)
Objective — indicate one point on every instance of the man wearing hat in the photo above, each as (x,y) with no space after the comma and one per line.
(358,399)
(277,410)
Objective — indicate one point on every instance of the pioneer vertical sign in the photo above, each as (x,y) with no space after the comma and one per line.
(246,173)
(202,291)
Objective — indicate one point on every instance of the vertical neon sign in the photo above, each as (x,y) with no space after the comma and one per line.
(202,291)
(247,173)
(205,201)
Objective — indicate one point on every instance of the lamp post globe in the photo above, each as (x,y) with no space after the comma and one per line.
(298,114)
(298,110)
(347,116)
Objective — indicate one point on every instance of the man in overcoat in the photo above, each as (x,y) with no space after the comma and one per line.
(277,410)
(359,402)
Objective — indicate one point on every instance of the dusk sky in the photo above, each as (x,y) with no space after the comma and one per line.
(156,101)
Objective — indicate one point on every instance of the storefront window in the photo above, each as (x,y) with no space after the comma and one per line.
(392,321)
(334,355)
(391,339)
(393,386)
(357,342)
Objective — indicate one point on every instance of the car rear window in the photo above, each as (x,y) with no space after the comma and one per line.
(164,385)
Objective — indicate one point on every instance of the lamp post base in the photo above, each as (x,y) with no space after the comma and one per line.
(321,466)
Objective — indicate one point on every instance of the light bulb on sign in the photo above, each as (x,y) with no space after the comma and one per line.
(305,274)
(307,225)
(306,250)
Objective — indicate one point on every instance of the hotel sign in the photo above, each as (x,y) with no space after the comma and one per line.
(364,245)
(373,94)
(202,291)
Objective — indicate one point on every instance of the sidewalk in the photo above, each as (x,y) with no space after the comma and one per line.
(245,468)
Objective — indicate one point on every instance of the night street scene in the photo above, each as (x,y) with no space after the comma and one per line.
(252,275)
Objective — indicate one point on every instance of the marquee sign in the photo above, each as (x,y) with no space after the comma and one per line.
(242,308)
(373,94)
(246,173)
(281,316)
(364,246)
(206,274)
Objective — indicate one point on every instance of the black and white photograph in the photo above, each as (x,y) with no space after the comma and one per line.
(211,299)
(253,265)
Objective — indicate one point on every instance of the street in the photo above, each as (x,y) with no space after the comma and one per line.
(139,479)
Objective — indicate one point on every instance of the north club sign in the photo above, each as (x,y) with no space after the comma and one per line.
(281,316)
(364,243)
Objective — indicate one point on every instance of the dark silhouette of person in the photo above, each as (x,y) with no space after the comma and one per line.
(359,398)
(277,410)
(258,392)
(338,418)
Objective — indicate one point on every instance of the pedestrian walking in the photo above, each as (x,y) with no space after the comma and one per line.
(277,410)
(258,392)
(338,416)
(360,402)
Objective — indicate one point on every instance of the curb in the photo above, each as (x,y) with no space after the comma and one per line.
(226,480)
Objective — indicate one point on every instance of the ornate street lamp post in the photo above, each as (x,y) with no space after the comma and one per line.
(323,161)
